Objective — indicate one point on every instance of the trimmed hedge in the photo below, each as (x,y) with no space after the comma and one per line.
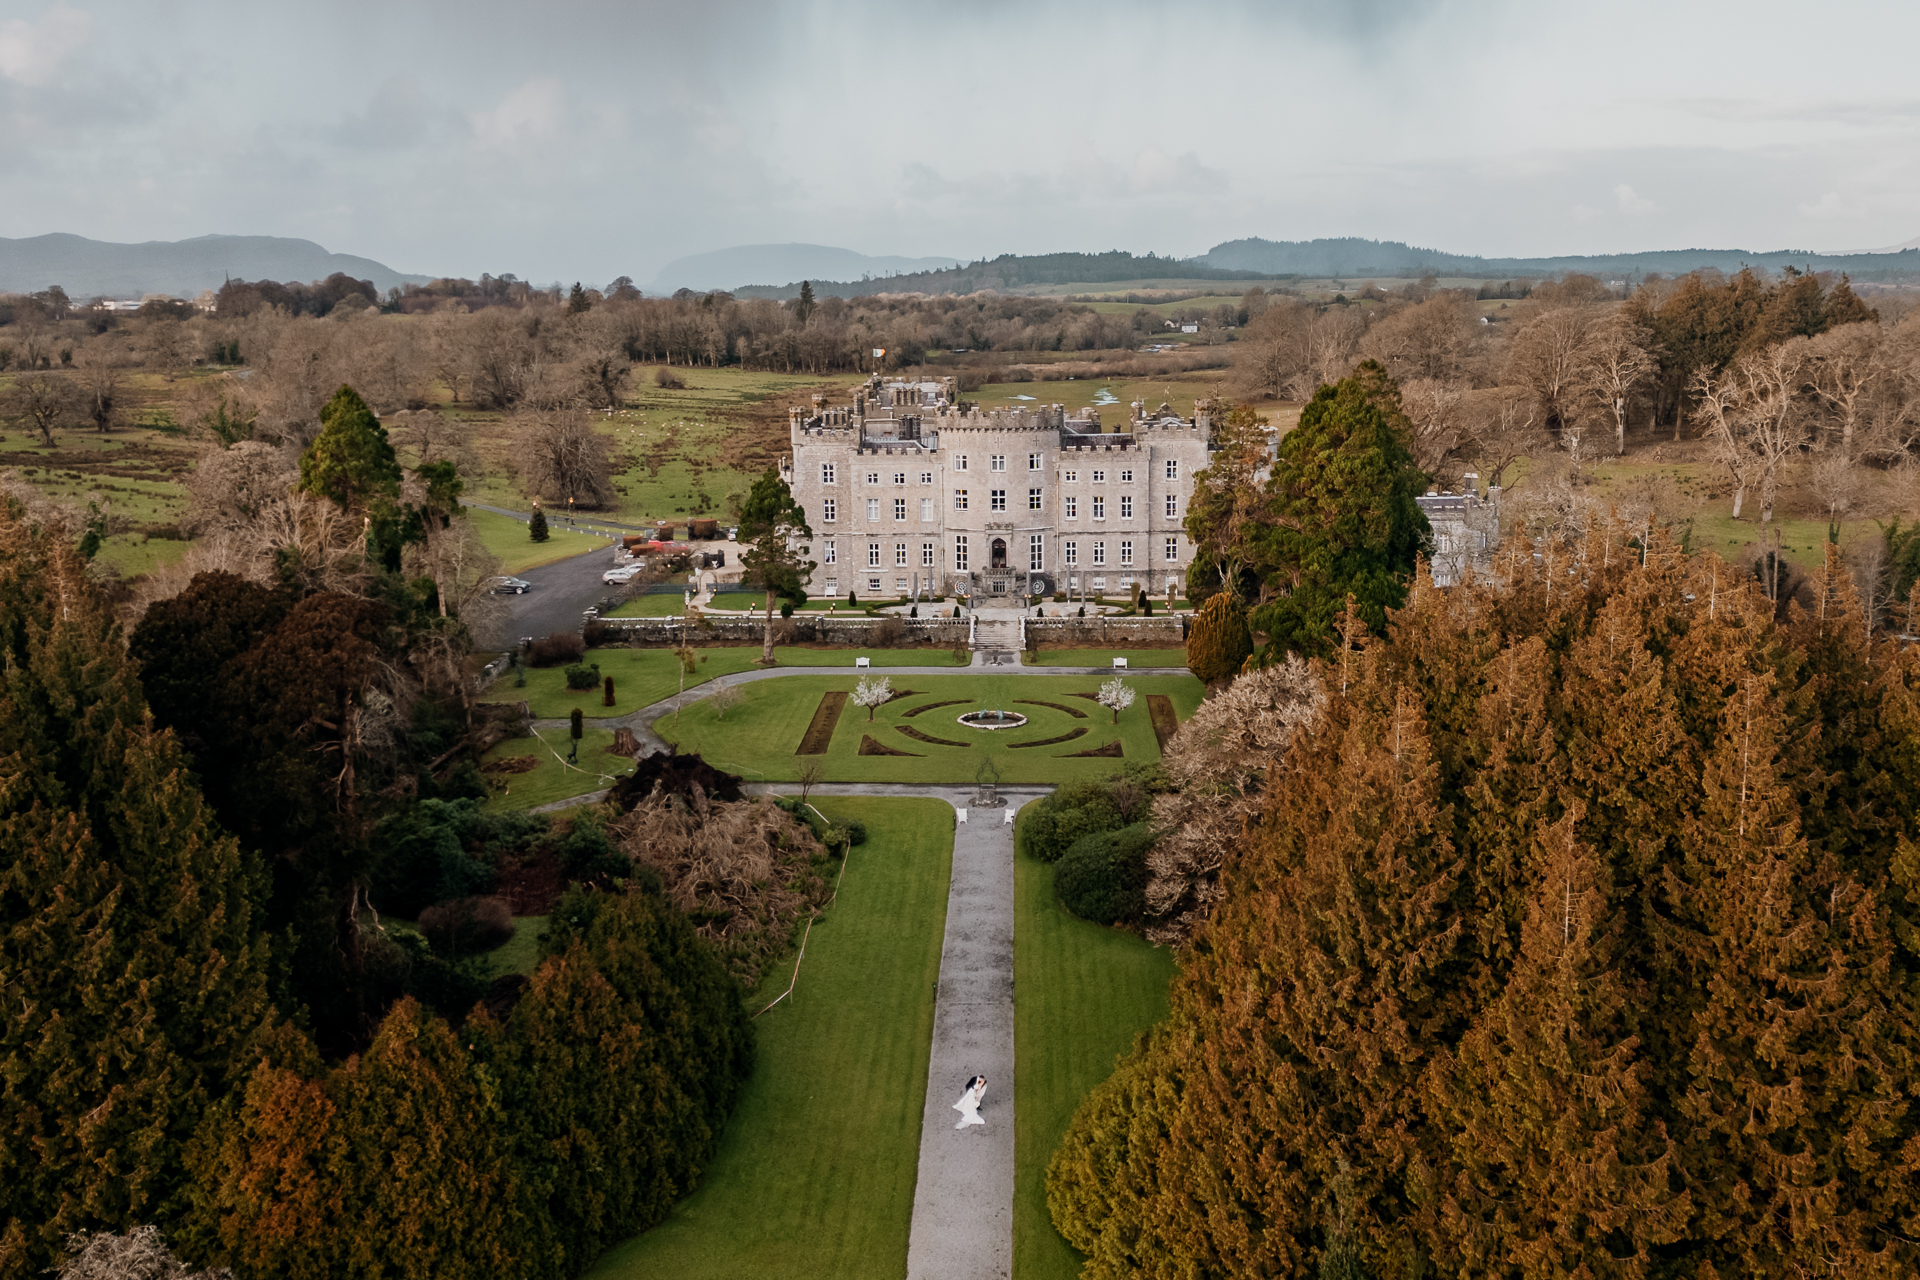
(1103,877)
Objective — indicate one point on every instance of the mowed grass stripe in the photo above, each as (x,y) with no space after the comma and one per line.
(815,1172)
(1084,993)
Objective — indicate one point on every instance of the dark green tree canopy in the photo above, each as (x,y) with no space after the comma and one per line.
(1343,514)
(770,524)
(350,461)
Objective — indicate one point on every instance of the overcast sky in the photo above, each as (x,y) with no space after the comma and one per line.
(588,139)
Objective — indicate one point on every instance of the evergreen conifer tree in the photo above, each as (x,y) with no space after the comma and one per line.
(537,526)
(350,461)
(129,957)
(1219,643)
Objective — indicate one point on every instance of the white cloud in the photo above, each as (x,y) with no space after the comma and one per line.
(1632,202)
(1827,206)
(531,113)
(31,52)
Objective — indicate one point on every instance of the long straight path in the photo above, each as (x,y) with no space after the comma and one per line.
(963,1200)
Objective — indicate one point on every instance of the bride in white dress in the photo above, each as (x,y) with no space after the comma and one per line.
(969,1104)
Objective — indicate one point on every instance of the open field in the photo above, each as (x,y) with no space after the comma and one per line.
(642,677)
(1085,993)
(759,737)
(815,1174)
(507,539)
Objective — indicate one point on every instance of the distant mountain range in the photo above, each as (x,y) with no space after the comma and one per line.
(1347,258)
(1343,258)
(98,268)
(767,263)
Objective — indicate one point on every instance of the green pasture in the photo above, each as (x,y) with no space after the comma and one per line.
(553,779)
(133,554)
(642,677)
(1105,657)
(1085,992)
(759,737)
(507,540)
(815,1173)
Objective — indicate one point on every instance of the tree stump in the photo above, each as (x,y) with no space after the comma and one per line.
(624,743)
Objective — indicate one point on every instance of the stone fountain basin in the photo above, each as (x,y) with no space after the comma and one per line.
(1005,720)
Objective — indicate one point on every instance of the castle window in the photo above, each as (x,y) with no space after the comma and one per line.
(829,509)
(997,499)
(1173,506)
(899,477)
(999,462)
(960,552)
(926,510)
(959,499)
(1099,553)
(926,553)
(959,462)
(1070,551)
(827,551)
(1098,477)
(1173,468)
(1126,552)
(833,586)
(1070,476)
(1033,499)
(1126,477)
(873,509)
(873,477)
(1033,462)
(899,508)
(1071,507)
(1173,550)
(873,555)
(926,477)
(900,554)
(1036,547)
(1099,507)
(1126,506)
(826,473)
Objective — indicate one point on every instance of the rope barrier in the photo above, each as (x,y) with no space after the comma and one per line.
(805,937)
(564,763)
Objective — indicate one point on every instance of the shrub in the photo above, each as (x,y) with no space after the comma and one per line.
(786,608)
(1219,643)
(596,633)
(1080,809)
(443,848)
(557,649)
(587,850)
(583,675)
(1103,877)
(467,925)
(667,380)
(1059,597)
(856,832)
(852,599)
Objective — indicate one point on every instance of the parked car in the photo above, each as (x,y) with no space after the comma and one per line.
(511,586)
(623,573)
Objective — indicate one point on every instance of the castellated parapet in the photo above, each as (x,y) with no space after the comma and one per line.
(911,492)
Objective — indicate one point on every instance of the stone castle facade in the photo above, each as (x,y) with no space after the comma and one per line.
(911,493)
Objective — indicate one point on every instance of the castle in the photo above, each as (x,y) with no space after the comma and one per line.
(911,493)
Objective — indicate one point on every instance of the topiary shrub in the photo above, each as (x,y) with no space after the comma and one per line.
(856,832)
(556,650)
(786,608)
(1103,877)
(467,925)
(1219,643)
(583,676)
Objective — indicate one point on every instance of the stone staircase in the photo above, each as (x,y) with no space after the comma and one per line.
(1000,635)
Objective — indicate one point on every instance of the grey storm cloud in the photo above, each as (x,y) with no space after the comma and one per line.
(587,139)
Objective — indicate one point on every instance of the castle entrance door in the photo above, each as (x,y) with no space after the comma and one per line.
(999,554)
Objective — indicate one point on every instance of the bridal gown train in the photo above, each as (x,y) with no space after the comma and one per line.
(969,1107)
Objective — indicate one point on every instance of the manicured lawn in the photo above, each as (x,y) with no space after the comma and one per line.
(1085,992)
(507,539)
(656,605)
(642,677)
(815,1172)
(758,738)
(553,779)
(1105,657)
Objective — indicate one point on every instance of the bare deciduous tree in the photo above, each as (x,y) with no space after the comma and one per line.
(1546,358)
(1845,367)
(1502,427)
(561,458)
(1615,358)
(1754,418)
(42,401)
(1434,408)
